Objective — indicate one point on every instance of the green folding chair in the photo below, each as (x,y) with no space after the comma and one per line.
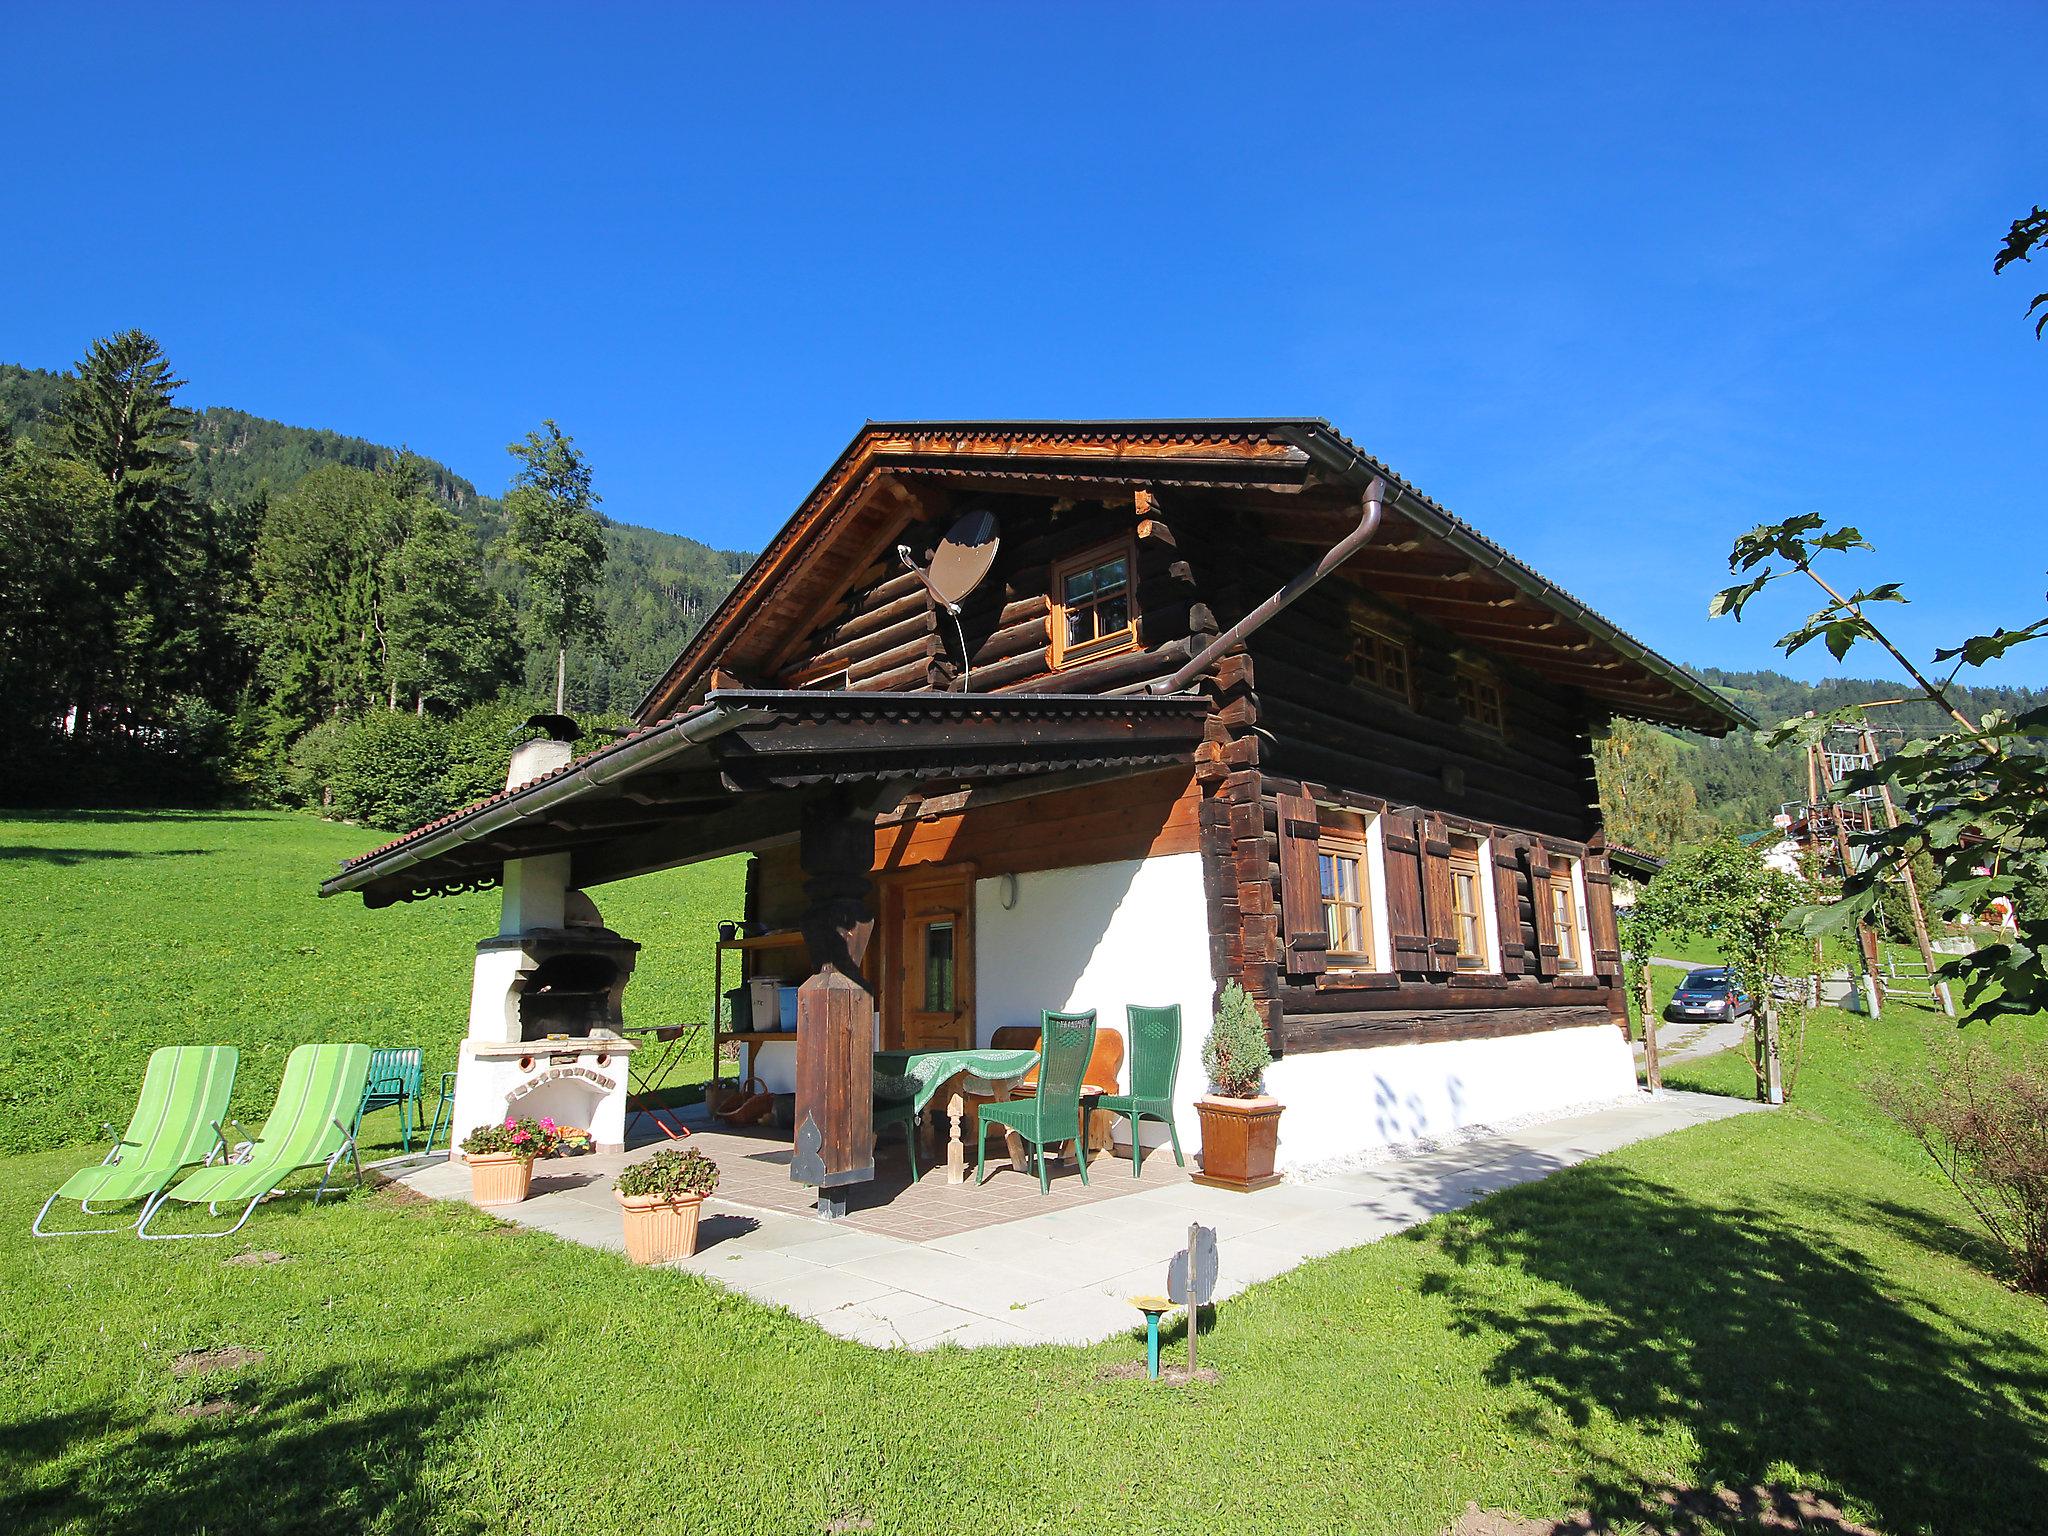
(1154,1035)
(1066,1043)
(185,1090)
(394,1079)
(321,1088)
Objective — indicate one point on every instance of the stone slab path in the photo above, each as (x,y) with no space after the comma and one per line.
(1065,1275)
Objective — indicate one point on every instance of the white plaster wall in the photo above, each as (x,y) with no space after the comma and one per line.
(1342,1103)
(1102,936)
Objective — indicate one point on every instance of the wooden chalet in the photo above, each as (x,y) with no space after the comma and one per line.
(1232,702)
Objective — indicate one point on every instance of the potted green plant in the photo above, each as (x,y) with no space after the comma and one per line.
(662,1199)
(1240,1120)
(500,1158)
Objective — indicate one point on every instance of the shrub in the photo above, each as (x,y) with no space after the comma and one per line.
(522,1138)
(479,749)
(670,1174)
(1236,1054)
(388,770)
(1985,1124)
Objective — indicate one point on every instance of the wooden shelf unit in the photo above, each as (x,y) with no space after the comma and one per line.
(782,939)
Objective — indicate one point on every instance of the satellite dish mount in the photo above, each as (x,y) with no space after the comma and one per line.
(959,565)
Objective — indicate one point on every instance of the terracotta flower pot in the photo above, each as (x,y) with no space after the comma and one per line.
(658,1228)
(498,1178)
(1240,1139)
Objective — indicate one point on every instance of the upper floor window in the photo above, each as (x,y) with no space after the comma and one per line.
(1345,868)
(1468,904)
(1479,700)
(1379,660)
(1092,614)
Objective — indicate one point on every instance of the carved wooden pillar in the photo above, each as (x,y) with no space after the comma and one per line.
(835,1007)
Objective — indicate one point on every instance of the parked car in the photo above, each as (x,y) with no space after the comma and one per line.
(1709,993)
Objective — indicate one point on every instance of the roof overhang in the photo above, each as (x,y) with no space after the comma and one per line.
(1462,580)
(737,772)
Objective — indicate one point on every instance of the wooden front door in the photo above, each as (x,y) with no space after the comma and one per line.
(928,979)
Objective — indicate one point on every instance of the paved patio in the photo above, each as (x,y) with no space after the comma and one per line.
(1003,1265)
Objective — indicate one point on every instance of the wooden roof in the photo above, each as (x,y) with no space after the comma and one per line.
(737,771)
(1299,474)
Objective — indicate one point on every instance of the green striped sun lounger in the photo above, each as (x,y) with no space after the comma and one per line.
(307,1128)
(177,1123)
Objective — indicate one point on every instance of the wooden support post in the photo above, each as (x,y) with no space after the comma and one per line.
(1774,1074)
(1653,1069)
(835,1007)
(1891,820)
(1866,934)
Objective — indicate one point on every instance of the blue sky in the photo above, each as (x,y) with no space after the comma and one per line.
(1613,283)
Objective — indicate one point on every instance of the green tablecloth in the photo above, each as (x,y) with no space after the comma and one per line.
(929,1070)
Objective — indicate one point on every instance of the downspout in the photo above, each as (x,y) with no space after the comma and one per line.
(1333,557)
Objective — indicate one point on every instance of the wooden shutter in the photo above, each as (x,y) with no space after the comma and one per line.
(1600,914)
(1407,926)
(1301,887)
(1437,904)
(1507,893)
(1545,912)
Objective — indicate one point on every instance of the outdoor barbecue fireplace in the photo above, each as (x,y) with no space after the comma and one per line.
(546,1013)
(576,989)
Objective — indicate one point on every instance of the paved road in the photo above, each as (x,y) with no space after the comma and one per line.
(1684,1039)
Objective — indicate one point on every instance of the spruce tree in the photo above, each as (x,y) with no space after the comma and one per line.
(557,540)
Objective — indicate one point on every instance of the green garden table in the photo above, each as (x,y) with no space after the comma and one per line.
(941,1075)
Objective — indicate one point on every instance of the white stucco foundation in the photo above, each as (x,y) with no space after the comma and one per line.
(1102,936)
(1346,1104)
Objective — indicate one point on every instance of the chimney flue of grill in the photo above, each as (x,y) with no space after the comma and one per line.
(542,754)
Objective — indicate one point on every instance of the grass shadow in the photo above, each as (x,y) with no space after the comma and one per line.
(44,854)
(1764,1343)
(249,1451)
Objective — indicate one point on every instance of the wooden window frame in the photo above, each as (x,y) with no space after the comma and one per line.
(1117,641)
(1472,708)
(1342,842)
(1470,860)
(1571,937)
(1365,632)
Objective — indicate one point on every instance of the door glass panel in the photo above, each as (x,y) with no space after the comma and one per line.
(938,968)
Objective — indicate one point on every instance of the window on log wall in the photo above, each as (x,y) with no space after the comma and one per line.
(1568,915)
(1468,904)
(1379,660)
(1479,701)
(1345,866)
(1092,612)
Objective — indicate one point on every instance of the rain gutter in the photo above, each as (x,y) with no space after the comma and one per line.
(1332,558)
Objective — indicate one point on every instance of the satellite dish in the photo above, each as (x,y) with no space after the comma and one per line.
(962,560)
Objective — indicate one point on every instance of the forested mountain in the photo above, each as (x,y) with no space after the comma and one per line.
(249,588)
(1741,784)
(653,592)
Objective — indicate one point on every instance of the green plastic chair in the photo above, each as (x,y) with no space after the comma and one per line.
(177,1122)
(901,1112)
(1052,1115)
(322,1085)
(1154,1035)
(444,1110)
(394,1079)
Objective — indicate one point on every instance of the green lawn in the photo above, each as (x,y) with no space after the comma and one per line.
(1786,1297)
(128,930)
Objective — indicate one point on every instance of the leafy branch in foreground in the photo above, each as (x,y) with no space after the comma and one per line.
(1973,799)
(2020,240)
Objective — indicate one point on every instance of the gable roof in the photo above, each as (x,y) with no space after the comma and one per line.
(865,499)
